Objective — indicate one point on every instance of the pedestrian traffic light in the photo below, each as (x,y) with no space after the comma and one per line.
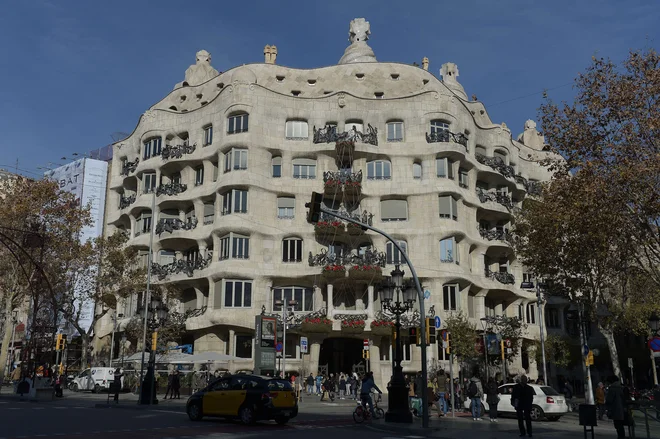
(430,330)
(60,341)
(365,355)
(314,208)
(415,334)
(154,341)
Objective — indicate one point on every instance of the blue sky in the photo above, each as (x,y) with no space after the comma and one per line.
(74,72)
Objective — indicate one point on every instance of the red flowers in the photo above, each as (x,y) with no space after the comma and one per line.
(382,324)
(333,183)
(317,321)
(366,268)
(353,324)
(327,224)
(334,268)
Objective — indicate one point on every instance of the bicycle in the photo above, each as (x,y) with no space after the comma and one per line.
(361,413)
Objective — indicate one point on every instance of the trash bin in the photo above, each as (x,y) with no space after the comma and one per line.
(588,415)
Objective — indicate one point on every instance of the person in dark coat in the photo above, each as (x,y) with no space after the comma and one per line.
(522,398)
(615,403)
(492,398)
(116,383)
(169,391)
(176,385)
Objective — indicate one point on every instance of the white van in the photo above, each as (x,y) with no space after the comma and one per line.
(95,379)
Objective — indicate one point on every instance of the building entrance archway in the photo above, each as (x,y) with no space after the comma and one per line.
(341,354)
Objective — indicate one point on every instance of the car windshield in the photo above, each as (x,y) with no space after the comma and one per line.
(549,391)
(279,385)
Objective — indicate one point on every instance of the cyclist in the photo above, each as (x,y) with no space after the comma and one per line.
(368,385)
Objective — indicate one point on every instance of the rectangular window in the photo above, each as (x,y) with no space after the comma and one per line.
(209,213)
(243,346)
(292,250)
(444,168)
(235,201)
(449,297)
(394,210)
(296,130)
(442,351)
(236,159)
(417,170)
(286,207)
(215,172)
(152,147)
(225,247)
(240,247)
(552,317)
(393,255)
(448,207)
(238,293)
(303,296)
(199,176)
(149,182)
(277,167)
(440,130)
(463,178)
(395,131)
(304,168)
(208,135)
(531,313)
(166,257)
(354,125)
(406,342)
(379,170)
(144,224)
(448,250)
(237,124)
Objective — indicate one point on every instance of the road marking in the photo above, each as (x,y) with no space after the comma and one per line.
(169,411)
(415,437)
(37,408)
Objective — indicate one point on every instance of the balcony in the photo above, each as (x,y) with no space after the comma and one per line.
(169,225)
(338,182)
(501,277)
(447,136)
(496,197)
(329,134)
(129,167)
(180,266)
(178,151)
(173,188)
(497,164)
(496,234)
(124,202)
(532,187)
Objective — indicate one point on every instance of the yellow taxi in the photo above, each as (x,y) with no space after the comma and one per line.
(250,398)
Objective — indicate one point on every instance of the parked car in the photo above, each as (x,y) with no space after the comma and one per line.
(249,398)
(548,403)
(95,379)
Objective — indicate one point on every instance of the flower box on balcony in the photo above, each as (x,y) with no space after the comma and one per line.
(353,188)
(382,327)
(333,273)
(332,188)
(366,273)
(354,229)
(353,326)
(329,229)
(316,325)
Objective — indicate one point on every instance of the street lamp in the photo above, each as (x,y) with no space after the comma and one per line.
(654,324)
(397,298)
(10,354)
(154,316)
(114,329)
(485,323)
(540,289)
(285,310)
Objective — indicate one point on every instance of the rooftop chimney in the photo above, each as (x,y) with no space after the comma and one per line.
(425,63)
(270,54)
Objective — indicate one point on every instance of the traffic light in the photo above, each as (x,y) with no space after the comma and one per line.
(154,341)
(365,355)
(445,341)
(60,341)
(314,208)
(430,330)
(414,334)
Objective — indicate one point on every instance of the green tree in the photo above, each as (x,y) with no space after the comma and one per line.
(463,337)
(557,351)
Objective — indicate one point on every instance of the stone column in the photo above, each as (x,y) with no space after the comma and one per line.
(330,304)
(370,301)
(374,364)
(232,341)
(269,295)
(314,352)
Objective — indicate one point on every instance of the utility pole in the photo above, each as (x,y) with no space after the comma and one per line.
(147,299)
(540,314)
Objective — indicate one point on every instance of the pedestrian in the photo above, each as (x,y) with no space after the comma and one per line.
(492,398)
(300,386)
(329,387)
(319,381)
(342,387)
(600,400)
(522,398)
(168,391)
(475,392)
(368,385)
(116,383)
(348,385)
(310,384)
(615,402)
(568,393)
(176,385)
(16,375)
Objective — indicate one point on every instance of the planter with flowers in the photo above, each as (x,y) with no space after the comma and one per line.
(366,273)
(353,326)
(353,189)
(333,273)
(316,324)
(328,230)
(332,189)
(354,229)
(382,327)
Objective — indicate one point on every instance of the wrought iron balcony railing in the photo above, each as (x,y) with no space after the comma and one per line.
(495,234)
(503,278)
(497,197)
(124,202)
(173,188)
(180,266)
(169,225)
(447,136)
(129,167)
(364,217)
(497,164)
(343,177)
(177,151)
(329,134)
(369,257)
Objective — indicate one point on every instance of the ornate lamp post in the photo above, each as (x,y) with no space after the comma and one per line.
(285,309)
(654,324)
(155,316)
(397,298)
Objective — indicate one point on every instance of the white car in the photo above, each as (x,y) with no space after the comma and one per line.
(547,402)
(94,379)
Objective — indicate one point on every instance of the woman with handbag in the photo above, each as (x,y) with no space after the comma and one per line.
(492,398)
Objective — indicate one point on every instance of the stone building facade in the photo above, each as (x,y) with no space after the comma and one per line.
(231,158)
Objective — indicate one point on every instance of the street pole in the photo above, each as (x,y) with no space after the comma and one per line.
(486,354)
(147,293)
(451,382)
(112,342)
(420,298)
(10,355)
(655,372)
(538,305)
(583,335)
(284,306)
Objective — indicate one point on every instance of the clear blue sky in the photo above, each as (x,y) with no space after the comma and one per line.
(74,72)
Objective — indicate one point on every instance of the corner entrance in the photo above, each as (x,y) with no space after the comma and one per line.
(340,354)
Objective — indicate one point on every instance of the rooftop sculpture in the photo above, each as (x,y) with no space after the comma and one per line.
(358,51)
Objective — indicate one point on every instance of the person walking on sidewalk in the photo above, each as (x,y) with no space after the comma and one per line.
(492,398)
(600,400)
(310,384)
(176,385)
(368,386)
(319,381)
(616,406)
(475,392)
(522,398)
(342,387)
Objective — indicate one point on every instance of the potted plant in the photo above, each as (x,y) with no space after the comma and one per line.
(354,229)
(316,324)
(332,188)
(353,188)
(353,326)
(333,273)
(328,229)
(382,327)
(366,273)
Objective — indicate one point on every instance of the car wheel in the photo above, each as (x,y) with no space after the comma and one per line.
(281,420)
(536,413)
(553,418)
(358,415)
(96,389)
(75,387)
(194,411)
(247,416)
(380,413)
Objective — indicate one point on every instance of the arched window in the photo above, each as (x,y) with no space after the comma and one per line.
(393,210)
(297,130)
(152,147)
(356,125)
(237,123)
(234,246)
(500,154)
(417,170)
(439,130)
(379,170)
(304,297)
(166,257)
(304,168)
(292,250)
(393,255)
(480,150)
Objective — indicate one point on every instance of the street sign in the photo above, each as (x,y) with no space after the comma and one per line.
(507,343)
(427,294)
(585,350)
(654,344)
(365,343)
(278,347)
(438,322)
(444,335)
(303,345)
